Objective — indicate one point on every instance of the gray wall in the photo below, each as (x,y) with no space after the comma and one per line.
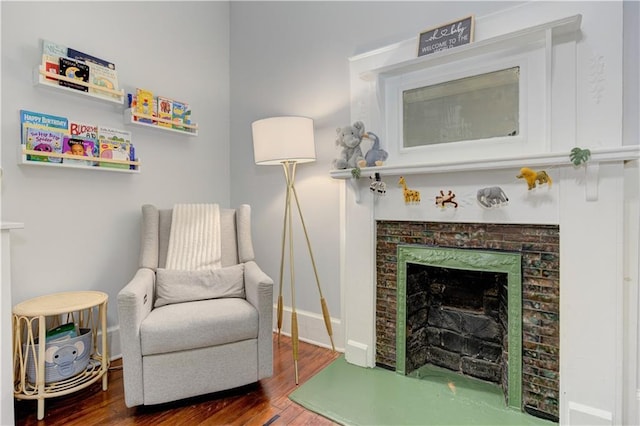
(82,226)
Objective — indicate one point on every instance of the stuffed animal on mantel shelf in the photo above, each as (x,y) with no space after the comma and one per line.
(349,138)
(376,155)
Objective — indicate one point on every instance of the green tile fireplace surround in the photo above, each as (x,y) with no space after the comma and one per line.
(469,260)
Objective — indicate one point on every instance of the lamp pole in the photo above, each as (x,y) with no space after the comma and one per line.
(289,168)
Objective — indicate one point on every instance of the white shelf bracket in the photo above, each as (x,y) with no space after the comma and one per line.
(592,175)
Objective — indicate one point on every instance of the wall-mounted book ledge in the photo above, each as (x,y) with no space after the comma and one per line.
(139,119)
(77,161)
(51,80)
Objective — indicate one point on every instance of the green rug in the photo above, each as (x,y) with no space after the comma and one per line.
(353,395)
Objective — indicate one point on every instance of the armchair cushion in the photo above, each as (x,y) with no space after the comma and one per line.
(177,286)
(200,324)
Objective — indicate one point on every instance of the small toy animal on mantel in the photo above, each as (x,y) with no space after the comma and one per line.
(410,195)
(442,200)
(531,176)
(492,196)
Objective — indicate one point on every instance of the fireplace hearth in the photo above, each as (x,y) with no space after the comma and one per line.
(536,371)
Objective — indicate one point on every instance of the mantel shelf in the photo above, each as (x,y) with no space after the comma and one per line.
(623,153)
(514,39)
(592,167)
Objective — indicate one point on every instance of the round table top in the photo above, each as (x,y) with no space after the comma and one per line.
(60,303)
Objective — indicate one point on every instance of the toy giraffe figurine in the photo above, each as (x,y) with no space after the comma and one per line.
(410,195)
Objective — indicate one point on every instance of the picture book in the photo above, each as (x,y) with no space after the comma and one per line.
(51,64)
(132,156)
(76,70)
(165,105)
(145,104)
(38,120)
(114,144)
(84,57)
(53,49)
(44,141)
(179,114)
(88,133)
(103,77)
(76,145)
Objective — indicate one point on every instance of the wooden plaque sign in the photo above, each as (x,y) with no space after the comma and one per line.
(452,34)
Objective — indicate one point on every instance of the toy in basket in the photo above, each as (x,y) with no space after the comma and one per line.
(64,356)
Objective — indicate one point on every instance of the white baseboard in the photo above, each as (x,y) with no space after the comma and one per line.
(113,342)
(311,328)
(580,414)
(358,353)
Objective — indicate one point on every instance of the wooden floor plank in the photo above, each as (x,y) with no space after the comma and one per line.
(252,405)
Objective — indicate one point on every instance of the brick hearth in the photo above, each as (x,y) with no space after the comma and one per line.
(539,247)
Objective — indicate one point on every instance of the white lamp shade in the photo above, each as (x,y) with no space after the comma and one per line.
(280,139)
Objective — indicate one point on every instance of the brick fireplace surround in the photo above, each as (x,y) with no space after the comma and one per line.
(539,247)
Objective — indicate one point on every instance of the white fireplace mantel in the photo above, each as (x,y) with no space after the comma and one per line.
(600,155)
(595,209)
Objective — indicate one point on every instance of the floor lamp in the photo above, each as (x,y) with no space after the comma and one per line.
(289,141)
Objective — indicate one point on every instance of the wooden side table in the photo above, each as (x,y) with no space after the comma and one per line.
(88,309)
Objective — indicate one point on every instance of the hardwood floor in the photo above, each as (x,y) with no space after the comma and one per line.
(257,404)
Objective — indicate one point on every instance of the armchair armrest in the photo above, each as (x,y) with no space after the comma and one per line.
(259,292)
(135,302)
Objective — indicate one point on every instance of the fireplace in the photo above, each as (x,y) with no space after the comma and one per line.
(495,281)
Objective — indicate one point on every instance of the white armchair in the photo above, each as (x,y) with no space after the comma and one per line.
(180,350)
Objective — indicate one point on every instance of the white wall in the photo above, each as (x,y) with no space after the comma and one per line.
(290,58)
(82,226)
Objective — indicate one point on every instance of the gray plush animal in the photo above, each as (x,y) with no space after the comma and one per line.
(348,138)
(491,197)
(376,155)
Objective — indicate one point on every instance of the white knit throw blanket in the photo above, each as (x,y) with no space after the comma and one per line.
(194,240)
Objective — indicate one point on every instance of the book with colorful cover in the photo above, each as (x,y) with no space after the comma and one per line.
(88,133)
(145,104)
(114,144)
(77,70)
(38,120)
(53,49)
(51,64)
(86,58)
(103,77)
(76,145)
(45,141)
(165,107)
(179,114)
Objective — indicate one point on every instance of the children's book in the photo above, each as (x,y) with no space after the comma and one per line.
(38,120)
(114,144)
(165,106)
(179,114)
(103,77)
(86,58)
(44,141)
(53,49)
(145,104)
(88,134)
(76,145)
(132,156)
(51,64)
(76,70)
